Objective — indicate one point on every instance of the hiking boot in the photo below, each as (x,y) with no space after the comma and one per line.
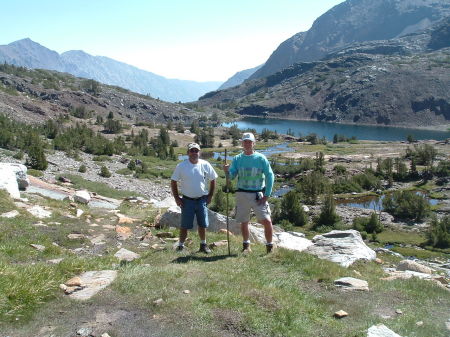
(246,248)
(180,248)
(204,248)
(269,248)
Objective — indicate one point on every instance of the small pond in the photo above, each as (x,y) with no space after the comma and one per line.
(374,202)
(205,154)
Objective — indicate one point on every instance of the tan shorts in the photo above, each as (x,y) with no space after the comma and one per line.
(245,202)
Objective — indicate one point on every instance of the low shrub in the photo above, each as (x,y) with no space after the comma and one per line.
(104,172)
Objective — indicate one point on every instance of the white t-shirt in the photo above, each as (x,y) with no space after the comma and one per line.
(194,178)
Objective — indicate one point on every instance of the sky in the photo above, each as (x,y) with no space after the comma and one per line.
(199,40)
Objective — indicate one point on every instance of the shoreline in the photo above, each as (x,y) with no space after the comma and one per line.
(437,128)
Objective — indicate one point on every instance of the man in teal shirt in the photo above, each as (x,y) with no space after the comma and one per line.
(254,186)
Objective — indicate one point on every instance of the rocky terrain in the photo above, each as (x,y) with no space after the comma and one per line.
(38,95)
(354,21)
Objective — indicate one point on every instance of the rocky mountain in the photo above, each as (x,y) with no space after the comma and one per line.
(355,21)
(239,77)
(30,54)
(402,82)
(34,96)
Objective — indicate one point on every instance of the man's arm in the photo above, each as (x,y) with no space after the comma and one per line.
(174,187)
(212,186)
(269,179)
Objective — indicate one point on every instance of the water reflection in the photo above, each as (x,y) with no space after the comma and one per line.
(272,150)
(375,202)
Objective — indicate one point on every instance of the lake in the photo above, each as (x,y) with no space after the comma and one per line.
(328,130)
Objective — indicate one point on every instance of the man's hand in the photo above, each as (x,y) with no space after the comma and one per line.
(179,201)
(209,199)
(226,168)
(262,201)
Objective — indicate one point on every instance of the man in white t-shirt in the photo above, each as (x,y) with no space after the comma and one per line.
(194,175)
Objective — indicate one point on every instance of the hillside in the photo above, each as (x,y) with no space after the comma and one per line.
(354,21)
(239,77)
(400,82)
(38,95)
(27,53)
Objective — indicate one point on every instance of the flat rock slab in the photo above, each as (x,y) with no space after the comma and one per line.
(92,282)
(351,283)
(381,330)
(126,255)
(39,212)
(288,240)
(11,214)
(343,247)
(414,266)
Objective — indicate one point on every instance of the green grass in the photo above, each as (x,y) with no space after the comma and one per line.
(26,280)
(35,173)
(9,90)
(401,237)
(286,293)
(99,188)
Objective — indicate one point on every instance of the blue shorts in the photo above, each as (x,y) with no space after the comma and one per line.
(193,208)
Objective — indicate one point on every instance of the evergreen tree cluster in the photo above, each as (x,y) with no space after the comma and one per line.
(439,232)
(291,210)
(80,137)
(369,224)
(406,205)
(15,135)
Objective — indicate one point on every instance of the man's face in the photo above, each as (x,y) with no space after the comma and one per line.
(247,145)
(193,155)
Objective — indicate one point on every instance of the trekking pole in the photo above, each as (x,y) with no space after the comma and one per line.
(226,191)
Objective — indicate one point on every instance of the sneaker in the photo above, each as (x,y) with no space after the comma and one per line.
(246,248)
(204,248)
(269,248)
(180,248)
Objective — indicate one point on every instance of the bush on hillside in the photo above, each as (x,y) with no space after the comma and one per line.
(439,232)
(327,217)
(369,224)
(291,210)
(36,158)
(311,186)
(82,168)
(406,205)
(104,172)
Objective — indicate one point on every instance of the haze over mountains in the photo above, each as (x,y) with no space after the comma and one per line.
(28,53)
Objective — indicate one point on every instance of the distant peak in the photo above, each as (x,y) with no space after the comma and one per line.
(25,42)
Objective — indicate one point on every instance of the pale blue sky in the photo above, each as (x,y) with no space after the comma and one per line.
(198,40)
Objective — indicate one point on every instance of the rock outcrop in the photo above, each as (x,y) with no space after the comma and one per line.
(172,218)
(13,177)
(343,247)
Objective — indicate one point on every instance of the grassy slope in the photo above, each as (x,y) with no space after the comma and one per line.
(283,294)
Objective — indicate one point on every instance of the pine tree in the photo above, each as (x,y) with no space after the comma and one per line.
(327,216)
(292,210)
(36,158)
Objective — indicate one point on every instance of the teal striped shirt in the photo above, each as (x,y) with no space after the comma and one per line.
(253,171)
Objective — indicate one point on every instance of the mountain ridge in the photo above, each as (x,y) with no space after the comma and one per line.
(398,82)
(31,54)
(351,22)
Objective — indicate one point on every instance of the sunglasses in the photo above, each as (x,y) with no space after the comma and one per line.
(193,150)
